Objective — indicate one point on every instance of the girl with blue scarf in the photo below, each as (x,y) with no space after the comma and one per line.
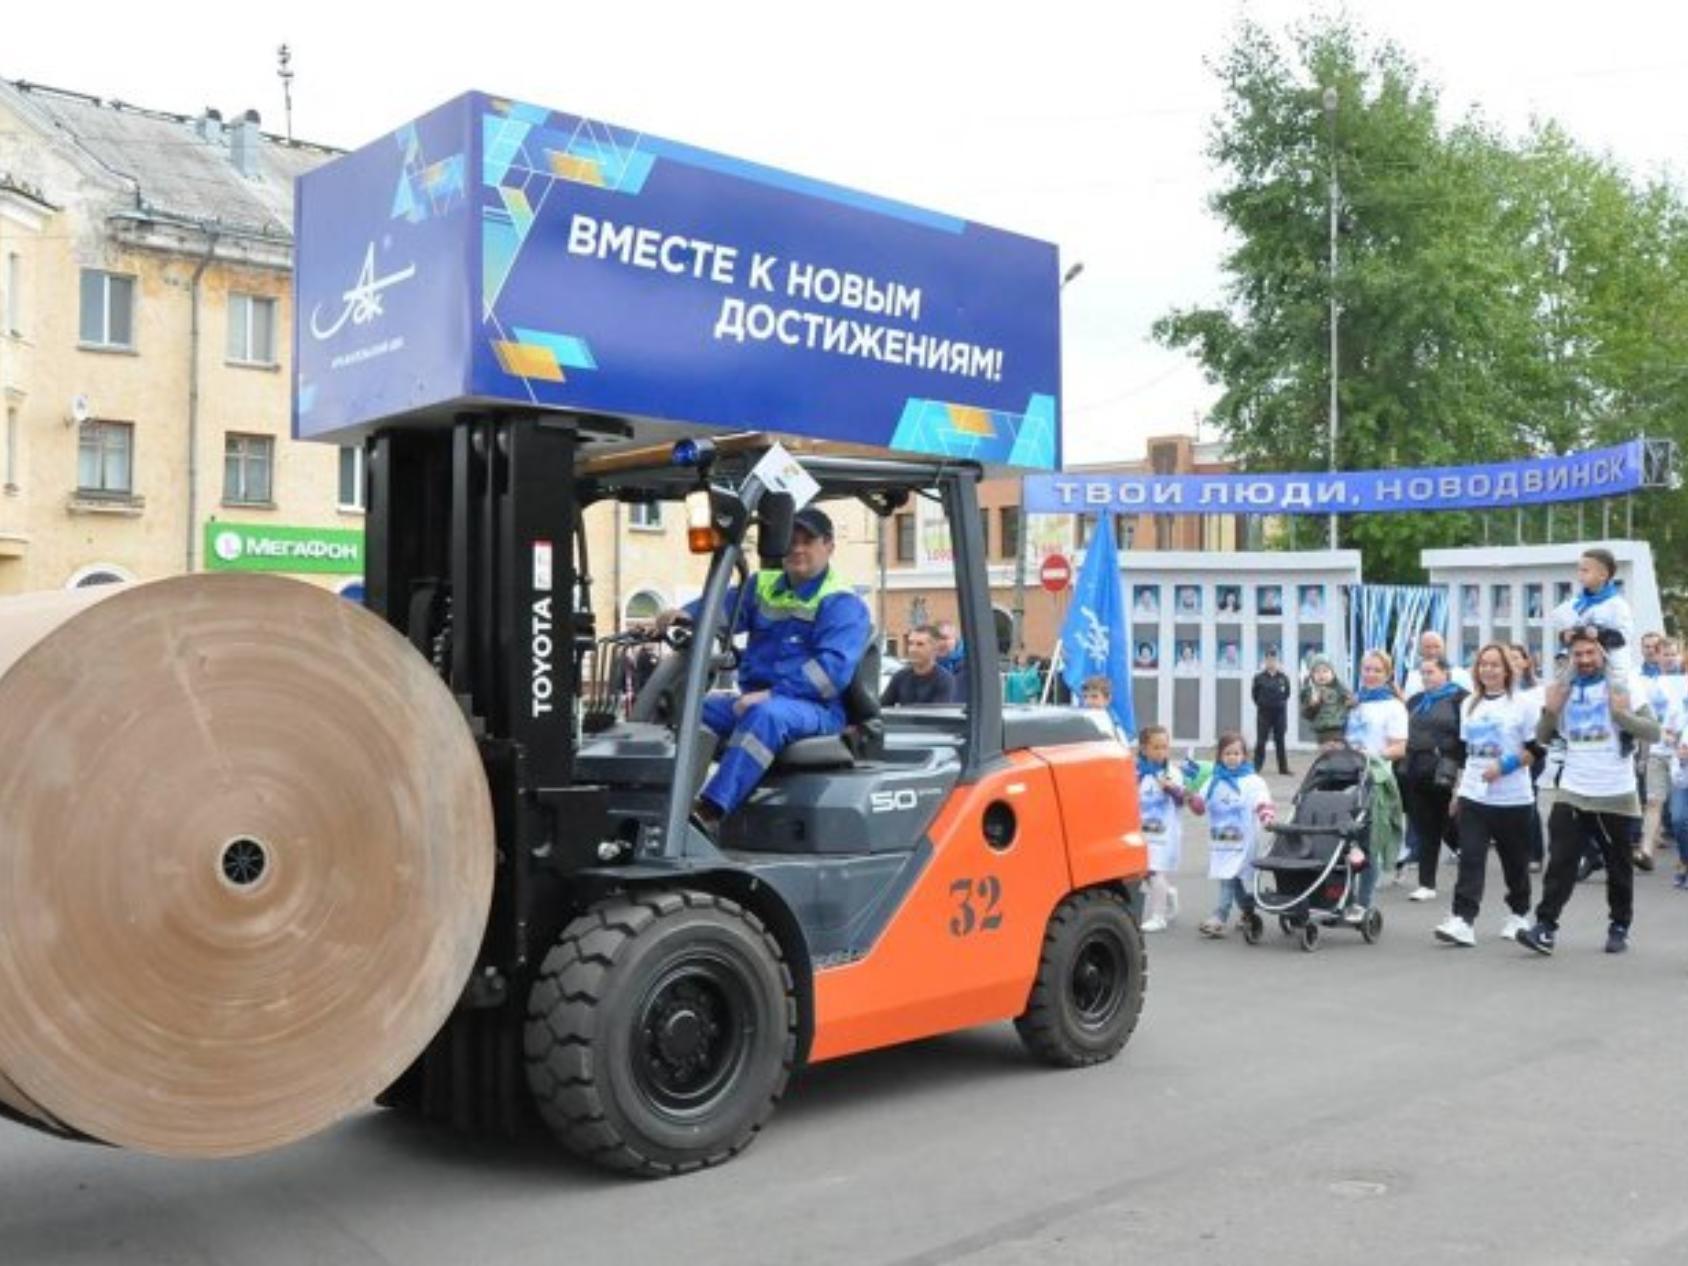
(1238,805)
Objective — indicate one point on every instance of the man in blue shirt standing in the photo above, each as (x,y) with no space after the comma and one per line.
(952,657)
(807,632)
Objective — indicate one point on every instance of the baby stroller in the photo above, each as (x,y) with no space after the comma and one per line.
(1306,859)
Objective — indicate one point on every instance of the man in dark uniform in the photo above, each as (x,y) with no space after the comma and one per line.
(1271,691)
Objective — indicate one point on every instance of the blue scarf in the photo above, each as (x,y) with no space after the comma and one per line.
(1147,768)
(1376,694)
(1430,698)
(1583,683)
(1594,597)
(1224,773)
(1652,670)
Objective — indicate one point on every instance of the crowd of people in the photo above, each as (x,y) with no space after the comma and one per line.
(1560,770)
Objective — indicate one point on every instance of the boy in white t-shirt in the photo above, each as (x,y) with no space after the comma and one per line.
(1160,796)
(1597,603)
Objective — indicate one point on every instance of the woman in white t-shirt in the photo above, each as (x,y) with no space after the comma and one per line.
(1377,726)
(1496,800)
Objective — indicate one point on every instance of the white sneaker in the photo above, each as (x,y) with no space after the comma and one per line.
(1156,924)
(1422,894)
(1456,931)
(1515,923)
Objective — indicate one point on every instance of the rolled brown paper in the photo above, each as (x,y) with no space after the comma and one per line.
(246,857)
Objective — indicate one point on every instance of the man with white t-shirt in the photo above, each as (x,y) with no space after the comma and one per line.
(1666,696)
(1596,793)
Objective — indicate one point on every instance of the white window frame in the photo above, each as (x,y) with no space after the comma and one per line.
(11,317)
(357,505)
(246,354)
(13,439)
(645,516)
(105,340)
(99,574)
(104,427)
(251,443)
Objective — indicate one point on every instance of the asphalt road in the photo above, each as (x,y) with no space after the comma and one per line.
(1398,1103)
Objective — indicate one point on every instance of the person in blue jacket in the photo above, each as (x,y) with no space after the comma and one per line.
(807,631)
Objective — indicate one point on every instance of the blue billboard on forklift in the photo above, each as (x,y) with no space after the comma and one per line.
(497,253)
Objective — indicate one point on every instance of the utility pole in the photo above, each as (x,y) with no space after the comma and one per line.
(284,72)
(1025,536)
(1330,119)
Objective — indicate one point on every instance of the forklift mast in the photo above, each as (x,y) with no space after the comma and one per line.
(471,555)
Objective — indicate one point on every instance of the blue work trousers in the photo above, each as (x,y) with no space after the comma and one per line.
(754,739)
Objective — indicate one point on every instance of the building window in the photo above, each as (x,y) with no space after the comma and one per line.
(11,448)
(13,297)
(984,533)
(1082,526)
(105,462)
(1008,531)
(905,537)
(351,478)
(247,463)
(251,329)
(98,574)
(644,606)
(108,309)
(1125,531)
(645,515)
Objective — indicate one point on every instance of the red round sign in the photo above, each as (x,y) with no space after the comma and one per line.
(1056,573)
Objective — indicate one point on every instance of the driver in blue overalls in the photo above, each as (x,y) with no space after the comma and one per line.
(807,631)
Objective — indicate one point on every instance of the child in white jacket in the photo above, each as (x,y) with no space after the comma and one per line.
(1238,805)
(1160,796)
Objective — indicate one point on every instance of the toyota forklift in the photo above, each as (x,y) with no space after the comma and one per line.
(646,991)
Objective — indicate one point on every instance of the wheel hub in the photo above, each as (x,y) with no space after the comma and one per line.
(693,1034)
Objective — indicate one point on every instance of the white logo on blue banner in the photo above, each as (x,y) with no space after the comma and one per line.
(363,300)
(1093,638)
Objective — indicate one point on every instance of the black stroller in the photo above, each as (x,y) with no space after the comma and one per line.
(1307,857)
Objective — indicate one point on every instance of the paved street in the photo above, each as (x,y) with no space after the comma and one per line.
(1399,1103)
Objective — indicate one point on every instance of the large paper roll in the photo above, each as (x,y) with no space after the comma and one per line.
(246,856)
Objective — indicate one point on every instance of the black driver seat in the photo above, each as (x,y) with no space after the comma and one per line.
(864,729)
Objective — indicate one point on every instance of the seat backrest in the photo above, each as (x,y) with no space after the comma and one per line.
(861,706)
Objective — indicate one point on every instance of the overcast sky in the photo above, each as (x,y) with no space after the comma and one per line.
(1083,124)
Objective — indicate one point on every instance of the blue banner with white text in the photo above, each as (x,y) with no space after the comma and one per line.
(498,252)
(1606,472)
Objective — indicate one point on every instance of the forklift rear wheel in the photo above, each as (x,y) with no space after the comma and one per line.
(661,1032)
(1089,987)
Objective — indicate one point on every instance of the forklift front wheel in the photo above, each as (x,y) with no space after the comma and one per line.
(661,1032)
(1090,980)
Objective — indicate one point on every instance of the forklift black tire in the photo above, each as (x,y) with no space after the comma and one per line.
(1088,993)
(661,1032)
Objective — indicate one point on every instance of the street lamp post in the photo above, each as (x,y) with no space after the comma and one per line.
(1020,550)
(1330,119)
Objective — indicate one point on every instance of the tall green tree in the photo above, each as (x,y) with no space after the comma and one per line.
(1494,298)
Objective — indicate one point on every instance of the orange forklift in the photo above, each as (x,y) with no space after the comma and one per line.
(648,989)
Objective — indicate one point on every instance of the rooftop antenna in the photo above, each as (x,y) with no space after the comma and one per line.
(284,72)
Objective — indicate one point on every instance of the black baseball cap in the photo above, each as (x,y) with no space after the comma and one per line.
(814,521)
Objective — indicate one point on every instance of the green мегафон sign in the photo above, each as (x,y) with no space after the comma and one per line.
(257,547)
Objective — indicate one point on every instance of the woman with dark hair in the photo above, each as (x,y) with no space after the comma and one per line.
(1494,802)
(1430,769)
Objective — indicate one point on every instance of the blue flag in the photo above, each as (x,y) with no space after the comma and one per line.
(1094,640)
